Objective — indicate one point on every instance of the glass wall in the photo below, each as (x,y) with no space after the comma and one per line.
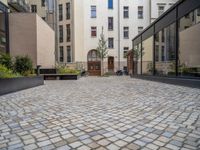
(147,56)
(2,32)
(189,45)
(173,46)
(165,51)
(137,59)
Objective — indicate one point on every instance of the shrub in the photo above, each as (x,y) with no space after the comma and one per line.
(6,60)
(7,73)
(23,65)
(65,70)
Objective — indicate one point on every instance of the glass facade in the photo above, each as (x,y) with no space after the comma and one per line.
(170,46)
(147,56)
(189,45)
(3,29)
(165,52)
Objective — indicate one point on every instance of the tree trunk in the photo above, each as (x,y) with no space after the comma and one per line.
(102,67)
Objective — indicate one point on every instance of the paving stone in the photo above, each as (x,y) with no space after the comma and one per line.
(84,148)
(121,143)
(63,148)
(113,147)
(133,146)
(152,146)
(44,143)
(75,144)
(30,147)
(135,114)
(103,142)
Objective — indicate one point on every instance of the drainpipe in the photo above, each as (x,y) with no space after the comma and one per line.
(56,29)
(119,38)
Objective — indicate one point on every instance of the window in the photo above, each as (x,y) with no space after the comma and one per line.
(147,56)
(198,12)
(125,51)
(67,11)
(43,3)
(61,54)
(60,33)
(126,12)
(68,30)
(43,18)
(110,42)
(126,32)
(2,32)
(189,52)
(69,56)
(93,12)
(110,4)
(93,31)
(140,29)
(34,8)
(161,10)
(60,12)
(163,35)
(140,12)
(165,51)
(157,53)
(110,23)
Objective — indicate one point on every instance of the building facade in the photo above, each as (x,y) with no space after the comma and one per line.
(170,46)
(79,24)
(33,38)
(4,30)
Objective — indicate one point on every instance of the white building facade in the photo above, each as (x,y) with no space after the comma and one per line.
(80,23)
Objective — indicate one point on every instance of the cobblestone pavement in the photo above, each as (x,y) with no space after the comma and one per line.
(101,113)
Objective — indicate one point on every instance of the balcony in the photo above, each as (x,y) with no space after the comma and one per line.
(19,5)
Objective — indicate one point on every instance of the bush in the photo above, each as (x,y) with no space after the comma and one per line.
(7,73)
(6,60)
(23,65)
(65,70)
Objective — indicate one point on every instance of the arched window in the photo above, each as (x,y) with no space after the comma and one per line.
(93,56)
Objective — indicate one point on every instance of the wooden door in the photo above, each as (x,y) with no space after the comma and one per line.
(111,64)
(94,68)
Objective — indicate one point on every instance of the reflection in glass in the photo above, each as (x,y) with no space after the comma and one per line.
(165,51)
(2,32)
(189,45)
(137,58)
(147,58)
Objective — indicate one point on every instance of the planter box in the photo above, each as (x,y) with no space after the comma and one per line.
(61,77)
(21,83)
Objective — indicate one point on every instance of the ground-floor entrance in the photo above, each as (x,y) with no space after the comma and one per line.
(94,63)
(110,64)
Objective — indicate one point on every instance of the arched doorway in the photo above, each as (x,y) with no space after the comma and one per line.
(110,64)
(94,63)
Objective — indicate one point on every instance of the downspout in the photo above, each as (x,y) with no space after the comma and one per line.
(56,30)
(119,38)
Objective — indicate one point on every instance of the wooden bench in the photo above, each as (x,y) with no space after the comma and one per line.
(61,77)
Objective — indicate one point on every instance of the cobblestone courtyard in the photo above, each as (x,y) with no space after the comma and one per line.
(101,113)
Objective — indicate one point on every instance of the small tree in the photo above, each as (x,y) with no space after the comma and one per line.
(137,54)
(23,65)
(102,50)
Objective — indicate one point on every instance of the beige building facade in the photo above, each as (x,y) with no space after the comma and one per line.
(79,23)
(32,37)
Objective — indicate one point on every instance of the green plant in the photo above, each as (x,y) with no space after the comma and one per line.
(102,50)
(66,70)
(23,65)
(6,60)
(7,73)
